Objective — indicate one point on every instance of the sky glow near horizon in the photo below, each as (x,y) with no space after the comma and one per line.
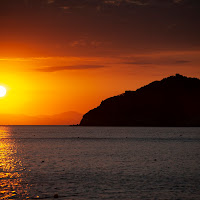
(64,55)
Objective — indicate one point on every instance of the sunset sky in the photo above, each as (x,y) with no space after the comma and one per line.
(69,55)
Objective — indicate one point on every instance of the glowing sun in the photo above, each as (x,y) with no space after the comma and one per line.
(2,91)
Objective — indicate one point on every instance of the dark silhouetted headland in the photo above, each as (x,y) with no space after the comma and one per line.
(173,101)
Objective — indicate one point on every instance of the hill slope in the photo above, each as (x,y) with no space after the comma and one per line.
(173,101)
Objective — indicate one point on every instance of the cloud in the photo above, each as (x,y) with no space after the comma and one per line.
(100,27)
(158,62)
(72,67)
(50,1)
(177,1)
(85,42)
(156,59)
(182,61)
(80,43)
(130,2)
(138,63)
(29,6)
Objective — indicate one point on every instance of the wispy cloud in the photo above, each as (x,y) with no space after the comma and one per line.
(162,58)
(146,61)
(85,42)
(143,62)
(182,61)
(72,67)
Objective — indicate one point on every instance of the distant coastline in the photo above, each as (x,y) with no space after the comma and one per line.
(65,118)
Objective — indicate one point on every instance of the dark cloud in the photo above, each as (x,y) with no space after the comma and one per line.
(73,67)
(138,63)
(156,60)
(182,61)
(12,7)
(65,27)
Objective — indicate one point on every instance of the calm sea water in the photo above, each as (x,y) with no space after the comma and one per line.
(38,162)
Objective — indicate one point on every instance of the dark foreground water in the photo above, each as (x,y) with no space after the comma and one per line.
(38,162)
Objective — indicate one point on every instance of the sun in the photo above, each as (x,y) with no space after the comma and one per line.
(2,91)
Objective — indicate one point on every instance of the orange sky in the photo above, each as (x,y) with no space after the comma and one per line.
(59,56)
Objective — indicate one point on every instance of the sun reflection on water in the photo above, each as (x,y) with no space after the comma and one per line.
(12,184)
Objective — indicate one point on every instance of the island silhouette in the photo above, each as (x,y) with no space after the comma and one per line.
(173,101)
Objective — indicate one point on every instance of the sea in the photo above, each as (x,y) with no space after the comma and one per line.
(81,163)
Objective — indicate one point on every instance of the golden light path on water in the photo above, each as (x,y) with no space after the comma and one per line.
(12,183)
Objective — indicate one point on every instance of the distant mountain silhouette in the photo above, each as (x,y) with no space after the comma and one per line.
(66,118)
(173,101)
